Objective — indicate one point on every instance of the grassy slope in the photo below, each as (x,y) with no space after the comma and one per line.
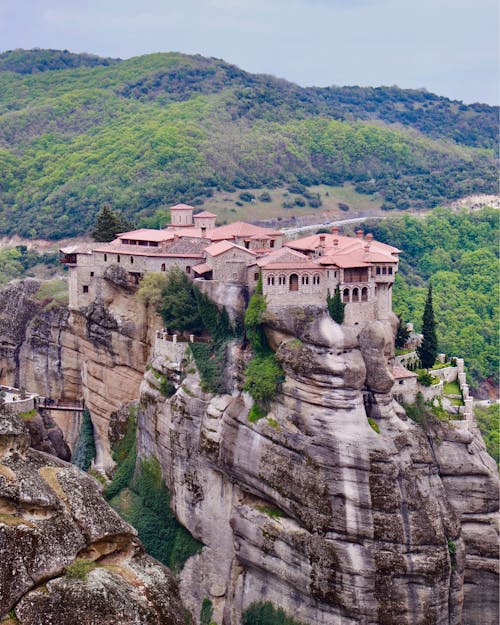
(157,129)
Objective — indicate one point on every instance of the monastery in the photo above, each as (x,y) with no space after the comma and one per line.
(296,272)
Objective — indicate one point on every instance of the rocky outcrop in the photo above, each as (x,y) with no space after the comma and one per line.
(310,507)
(98,353)
(45,435)
(65,555)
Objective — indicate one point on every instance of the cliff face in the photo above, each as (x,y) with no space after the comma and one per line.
(65,555)
(310,507)
(99,353)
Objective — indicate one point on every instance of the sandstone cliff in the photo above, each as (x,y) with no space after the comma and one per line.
(311,508)
(65,555)
(98,354)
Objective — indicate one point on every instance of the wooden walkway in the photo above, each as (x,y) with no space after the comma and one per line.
(58,405)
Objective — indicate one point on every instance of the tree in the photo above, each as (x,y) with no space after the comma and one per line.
(151,287)
(108,224)
(427,350)
(335,306)
(402,334)
(178,307)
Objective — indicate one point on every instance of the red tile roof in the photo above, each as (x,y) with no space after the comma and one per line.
(201,269)
(285,258)
(204,214)
(223,246)
(147,234)
(183,207)
(240,229)
(400,372)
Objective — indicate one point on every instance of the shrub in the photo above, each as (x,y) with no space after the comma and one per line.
(179,308)
(374,425)
(246,196)
(267,614)
(314,202)
(265,197)
(343,207)
(299,202)
(255,413)
(425,378)
(335,306)
(84,450)
(151,288)
(263,378)
(79,569)
(206,612)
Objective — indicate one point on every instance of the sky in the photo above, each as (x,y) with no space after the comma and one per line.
(449,47)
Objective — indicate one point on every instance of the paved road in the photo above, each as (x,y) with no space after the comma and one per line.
(328,224)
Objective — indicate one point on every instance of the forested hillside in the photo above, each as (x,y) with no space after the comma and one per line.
(77,131)
(458,253)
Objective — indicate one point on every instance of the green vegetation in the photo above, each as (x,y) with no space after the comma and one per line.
(178,307)
(374,425)
(451,547)
(206,612)
(488,420)
(78,132)
(145,504)
(402,335)
(16,262)
(151,287)
(138,493)
(53,291)
(271,511)
(109,223)
(79,569)
(428,349)
(335,306)
(27,416)
(451,388)
(264,374)
(425,378)
(267,614)
(84,451)
(460,251)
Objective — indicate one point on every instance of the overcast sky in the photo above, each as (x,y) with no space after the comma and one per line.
(449,47)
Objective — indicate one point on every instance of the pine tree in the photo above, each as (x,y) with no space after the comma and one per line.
(108,223)
(427,350)
(335,306)
(402,334)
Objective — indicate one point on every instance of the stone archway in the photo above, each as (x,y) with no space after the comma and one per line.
(294,282)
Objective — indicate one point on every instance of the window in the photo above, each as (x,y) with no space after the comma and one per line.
(384,271)
(316,279)
(91,274)
(305,279)
(389,271)
(118,258)
(163,267)
(378,271)
(271,243)
(270,280)
(131,260)
(282,280)
(188,269)
(364,294)
(235,276)
(345,296)
(105,257)
(256,276)
(247,244)
(355,295)
(85,288)
(401,381)
(294,282)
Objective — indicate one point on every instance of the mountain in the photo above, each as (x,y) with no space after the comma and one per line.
(77,131)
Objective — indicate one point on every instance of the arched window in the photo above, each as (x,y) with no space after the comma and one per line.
(305,279)
(282,280)
(355,295)
(294,282)
(345,296)
(105,257)
(163,267)
(270,280)
(316,278)
(364,294)
(188,269)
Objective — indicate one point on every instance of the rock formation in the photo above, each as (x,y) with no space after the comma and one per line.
(311,508)
(65,555)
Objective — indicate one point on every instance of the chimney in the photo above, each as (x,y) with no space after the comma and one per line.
(322,239)
(335,242)
(359,234)
(335,230)
(203,232)
(369,237)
